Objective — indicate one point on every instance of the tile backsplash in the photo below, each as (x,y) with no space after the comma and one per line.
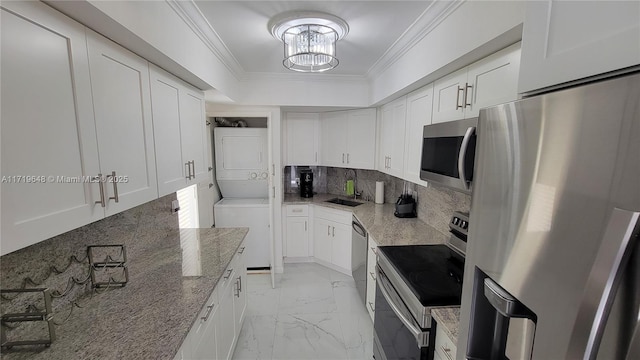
(436,203)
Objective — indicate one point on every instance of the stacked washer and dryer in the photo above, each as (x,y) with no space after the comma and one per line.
(242,173)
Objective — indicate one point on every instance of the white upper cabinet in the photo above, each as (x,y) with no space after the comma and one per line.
(361,135)
(419,106)
(392,133)
(48,129)
(348,138)
(334,138)
(122,108)
(303,134)
(490,81)
(179,132)
(570,40)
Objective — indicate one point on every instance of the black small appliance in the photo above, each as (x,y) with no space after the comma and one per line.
(306,183)
(405,207)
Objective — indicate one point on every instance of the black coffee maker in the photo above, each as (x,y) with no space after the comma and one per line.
(306,183)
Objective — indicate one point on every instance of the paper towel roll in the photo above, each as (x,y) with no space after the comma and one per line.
(379,192)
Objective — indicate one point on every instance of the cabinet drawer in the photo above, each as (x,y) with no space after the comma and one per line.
(297,210)
(339,216)
(444,346)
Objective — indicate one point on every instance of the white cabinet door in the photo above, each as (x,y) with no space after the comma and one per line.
(225,322)
(122,108)
(341,245)
(334,139)
(47,126)
(448,97)
(165,96)
(240,293)
(297,236)
(493,80)
(322,239)
(204,345)
(419,105)
(193,131)
(570,40)
(392,137)
(302,139)
(361,135)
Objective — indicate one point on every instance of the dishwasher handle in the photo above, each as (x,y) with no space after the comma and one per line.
(359,229)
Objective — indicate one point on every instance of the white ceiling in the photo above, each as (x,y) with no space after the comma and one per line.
(374,27)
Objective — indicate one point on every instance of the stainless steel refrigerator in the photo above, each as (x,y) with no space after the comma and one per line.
(552,268)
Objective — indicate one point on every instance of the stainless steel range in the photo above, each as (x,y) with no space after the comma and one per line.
(411,280)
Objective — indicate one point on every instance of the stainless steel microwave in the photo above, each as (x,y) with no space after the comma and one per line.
(448,151)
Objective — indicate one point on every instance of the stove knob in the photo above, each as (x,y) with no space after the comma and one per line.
(455,221)
(464,224)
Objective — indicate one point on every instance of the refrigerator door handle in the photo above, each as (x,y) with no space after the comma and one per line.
(463,154)
(599,294)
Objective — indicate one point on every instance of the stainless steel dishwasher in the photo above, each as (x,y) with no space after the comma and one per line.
(359,257)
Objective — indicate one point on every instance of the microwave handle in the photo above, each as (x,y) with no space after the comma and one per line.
(462,156)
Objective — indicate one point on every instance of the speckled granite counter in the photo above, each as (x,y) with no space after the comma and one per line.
(382,225)
(448,320)
(150,317)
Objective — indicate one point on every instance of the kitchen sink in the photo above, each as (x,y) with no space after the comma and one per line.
(344,202)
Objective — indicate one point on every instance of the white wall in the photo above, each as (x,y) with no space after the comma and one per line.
(465,36)
(305,90)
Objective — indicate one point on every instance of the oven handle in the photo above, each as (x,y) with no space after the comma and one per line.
(415,330)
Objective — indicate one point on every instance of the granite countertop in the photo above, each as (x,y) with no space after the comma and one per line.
(384,227)
(448,319)
(150,317)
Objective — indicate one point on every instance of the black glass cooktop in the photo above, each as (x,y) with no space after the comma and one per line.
(432,272)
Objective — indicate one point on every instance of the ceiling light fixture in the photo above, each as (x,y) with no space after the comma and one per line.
(309,39)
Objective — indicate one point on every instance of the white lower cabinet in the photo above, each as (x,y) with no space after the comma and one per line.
(371,276)
(216,331)
(297,231)
(332,238)
(445,349)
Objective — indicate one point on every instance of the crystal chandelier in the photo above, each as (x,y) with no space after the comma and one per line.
(309,39)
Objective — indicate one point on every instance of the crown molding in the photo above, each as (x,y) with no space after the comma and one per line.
(302,77)
(189,12)
(426,22)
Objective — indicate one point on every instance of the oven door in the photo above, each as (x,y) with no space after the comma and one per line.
(397,334)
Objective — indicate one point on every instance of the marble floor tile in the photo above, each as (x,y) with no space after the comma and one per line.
(313,313)
(309,336)
(307,298)
(256,338)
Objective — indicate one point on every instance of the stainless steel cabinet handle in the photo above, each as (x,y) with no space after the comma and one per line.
(371,306)
(229,271)
(373,276)
(237,287)
(343,158)
(209,309)
(347,158)
(389,162)
(466,94)
(328,230)
(115,186)
(241,250)
(239,283)
(334,231)
(305,226)
(187,165)
(316,156)
(193,169)
(458,106)
(101,187)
